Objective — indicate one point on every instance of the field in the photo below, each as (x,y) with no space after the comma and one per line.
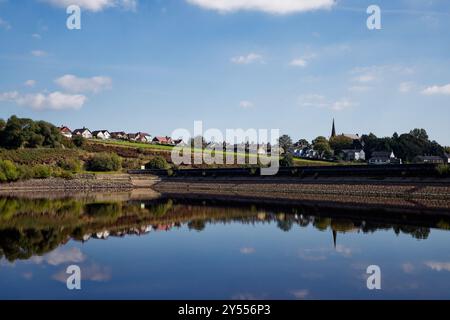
(48,156)
(165,150)
(134,156)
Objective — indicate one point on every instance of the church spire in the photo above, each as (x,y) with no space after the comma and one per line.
(333,130)
(334,238)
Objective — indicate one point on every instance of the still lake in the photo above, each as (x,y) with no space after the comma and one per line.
(169,248)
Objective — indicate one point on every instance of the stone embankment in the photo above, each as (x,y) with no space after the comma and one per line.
(82,182)
(404,195)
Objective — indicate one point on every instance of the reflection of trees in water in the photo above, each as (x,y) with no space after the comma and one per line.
(198,225)
(104,212)
(36,226)
(23,244)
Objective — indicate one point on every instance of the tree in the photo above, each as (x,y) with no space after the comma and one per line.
(104,162)
(197,225)
(78,141)
(303,143)
(322,146)
(285,225)
(198,142)
(339,143)
(420,134)
(287,160)
(285,143)
(2,124)
(405,146)
(158,163)
(13,134)
(22,132)
(372,143)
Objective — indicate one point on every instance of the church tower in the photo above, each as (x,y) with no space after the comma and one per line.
(333,130)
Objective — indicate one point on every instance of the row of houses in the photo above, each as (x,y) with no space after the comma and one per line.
(119,135)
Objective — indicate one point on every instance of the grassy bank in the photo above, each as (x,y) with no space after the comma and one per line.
(94,156)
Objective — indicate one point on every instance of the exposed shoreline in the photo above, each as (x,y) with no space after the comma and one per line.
(409,194)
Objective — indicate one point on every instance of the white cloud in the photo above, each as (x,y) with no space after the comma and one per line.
(36,36)
(406,87)
(300,294)
(53,101)
(247,59)
(313,100)
(246,104)
(93,272)
(319,254)
(300,62)
(364,78)
(359,88)
(38,53)
(4,24)
(42,101)
(7,96)
(438,266)
(96,5)
(75,84)
(60,256)
(378,72)
(30,83)
(434,90)
(129,4)
(247,250)
(345,251)
(319,101)
(408,267)
(268,6)
(342,105)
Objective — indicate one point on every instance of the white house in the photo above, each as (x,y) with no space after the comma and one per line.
(447,158)
(66,132)
(384,157)
(101,134)
(85,133)
(354,155)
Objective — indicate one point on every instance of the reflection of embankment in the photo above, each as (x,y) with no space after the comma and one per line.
(376,195)
(37,226)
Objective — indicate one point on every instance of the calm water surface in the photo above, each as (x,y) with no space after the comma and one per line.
(178,249)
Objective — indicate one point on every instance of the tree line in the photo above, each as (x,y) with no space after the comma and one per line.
(405,146)
(25,133)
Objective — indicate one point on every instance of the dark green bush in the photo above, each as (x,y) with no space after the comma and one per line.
(8,171)
(157,162)
(61,173)
(78,141)
(104,162)
(131,164)
(287,161)
(443,169)
(71,165)
(42,171)
(26,172)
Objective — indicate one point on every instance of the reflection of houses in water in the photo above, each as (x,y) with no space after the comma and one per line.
(136,231)
(165,227)
(102,235)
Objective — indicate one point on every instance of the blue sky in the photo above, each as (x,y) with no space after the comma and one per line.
(159,65)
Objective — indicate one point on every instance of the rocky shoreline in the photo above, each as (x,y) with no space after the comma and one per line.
(81,182)
(387,195)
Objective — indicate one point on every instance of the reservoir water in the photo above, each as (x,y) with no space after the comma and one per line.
(169,248)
